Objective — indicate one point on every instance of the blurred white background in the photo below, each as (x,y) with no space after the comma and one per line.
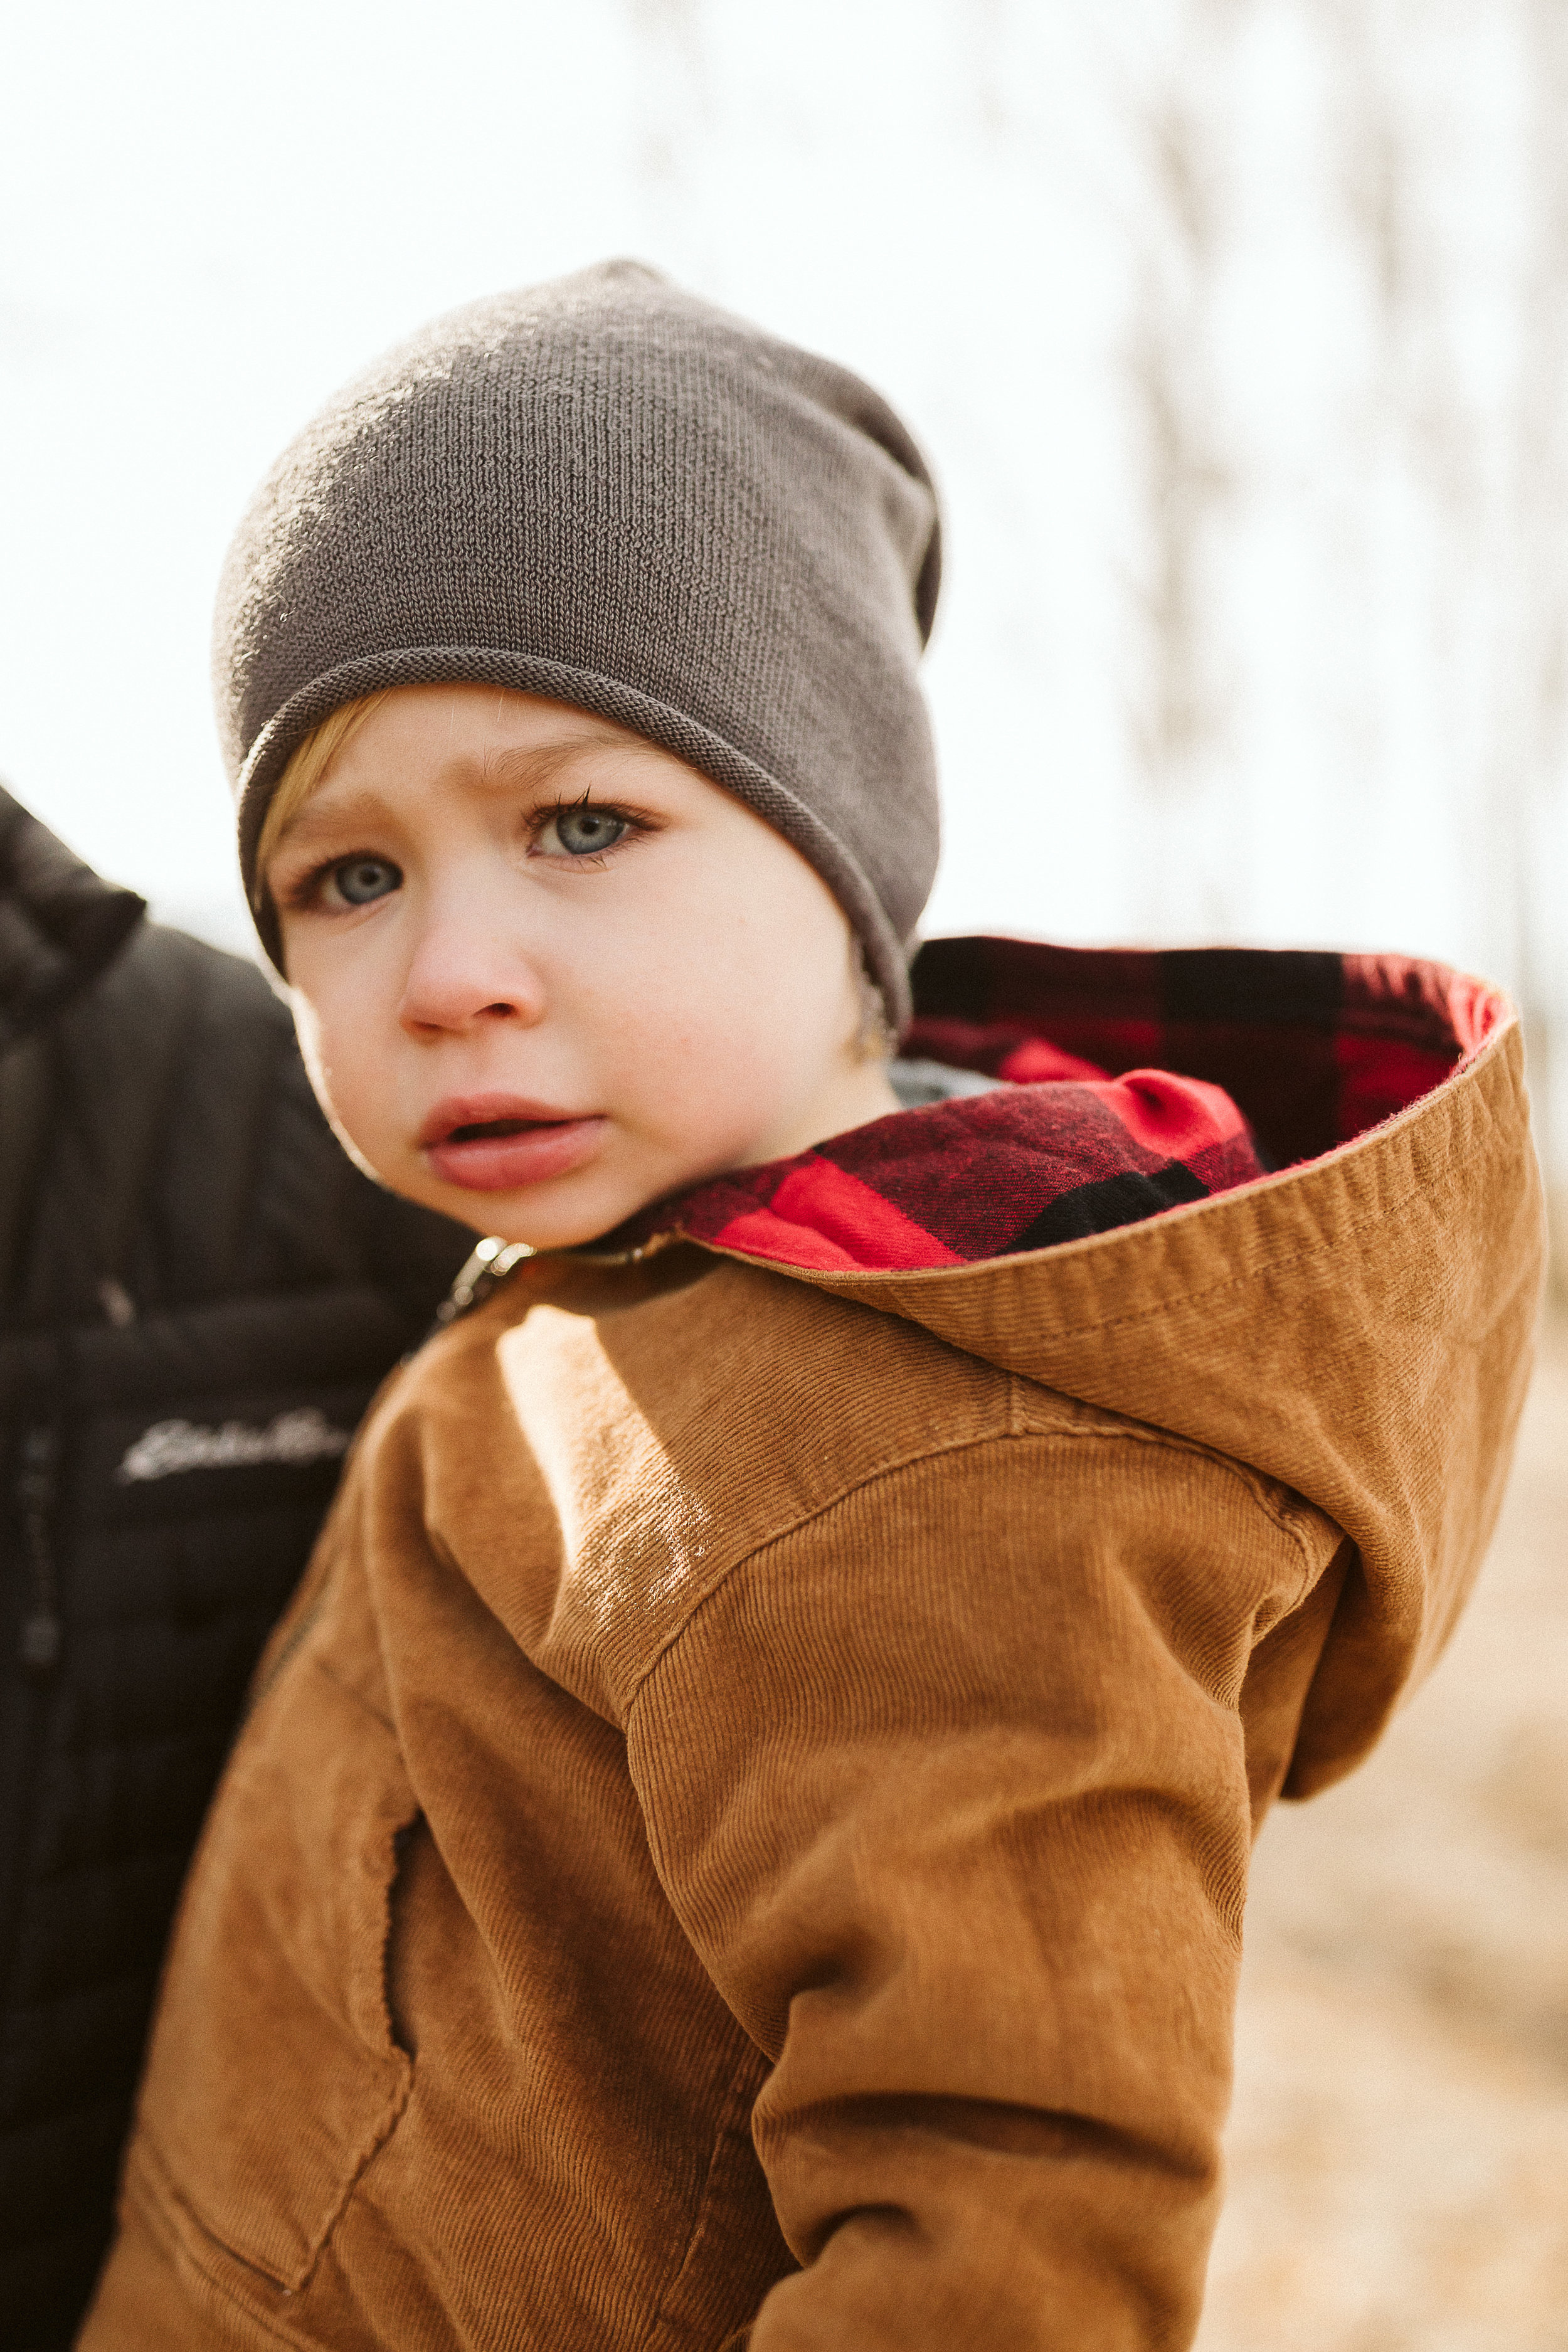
(1234,329)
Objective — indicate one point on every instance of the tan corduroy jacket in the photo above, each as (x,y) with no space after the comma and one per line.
(746,1825)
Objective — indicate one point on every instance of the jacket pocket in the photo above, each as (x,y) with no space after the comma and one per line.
(273,2075)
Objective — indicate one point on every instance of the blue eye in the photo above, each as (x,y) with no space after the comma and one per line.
(584,830)
(359,880)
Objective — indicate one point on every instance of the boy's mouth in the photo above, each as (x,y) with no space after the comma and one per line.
(498,1143)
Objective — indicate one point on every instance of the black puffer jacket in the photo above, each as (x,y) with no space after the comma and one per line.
(197,1296)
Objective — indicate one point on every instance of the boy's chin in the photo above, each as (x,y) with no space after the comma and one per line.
(575,1211)
(565,1224)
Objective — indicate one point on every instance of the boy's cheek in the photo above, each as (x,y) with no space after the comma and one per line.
(308,1028)
(346,1106)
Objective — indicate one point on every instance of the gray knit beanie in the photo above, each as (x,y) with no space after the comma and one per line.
(606,491)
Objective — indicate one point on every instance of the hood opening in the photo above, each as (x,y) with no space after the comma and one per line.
(1134,1082)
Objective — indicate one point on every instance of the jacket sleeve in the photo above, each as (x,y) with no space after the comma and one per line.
(950,1789)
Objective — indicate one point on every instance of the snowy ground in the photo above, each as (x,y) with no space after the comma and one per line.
(1399,2146)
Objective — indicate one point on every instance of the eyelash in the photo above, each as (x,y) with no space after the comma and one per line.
(302,894)
(636,827)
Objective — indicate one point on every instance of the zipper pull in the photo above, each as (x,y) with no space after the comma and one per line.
(491,1264)
(43,1634)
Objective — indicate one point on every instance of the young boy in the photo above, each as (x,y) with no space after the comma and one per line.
(742,1837)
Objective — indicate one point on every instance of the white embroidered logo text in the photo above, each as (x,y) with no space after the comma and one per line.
(294,1438)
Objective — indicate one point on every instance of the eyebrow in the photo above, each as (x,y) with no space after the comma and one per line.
(357,807)
(537,763)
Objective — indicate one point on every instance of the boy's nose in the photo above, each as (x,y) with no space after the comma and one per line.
(458,977)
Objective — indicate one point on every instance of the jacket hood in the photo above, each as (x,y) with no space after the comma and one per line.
(1055,1150)
(1356,1324)
(60,925)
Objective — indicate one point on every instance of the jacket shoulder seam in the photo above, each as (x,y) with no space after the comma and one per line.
(1272,1496)
(1130,1433)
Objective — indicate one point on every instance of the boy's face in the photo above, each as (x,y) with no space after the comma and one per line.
(545,973)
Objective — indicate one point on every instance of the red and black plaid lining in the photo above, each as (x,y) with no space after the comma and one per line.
(1315,1048)
(1134,1078)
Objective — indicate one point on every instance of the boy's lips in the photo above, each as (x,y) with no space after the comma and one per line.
(496,1143)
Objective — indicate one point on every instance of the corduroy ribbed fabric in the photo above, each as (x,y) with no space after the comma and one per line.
(742,1836)
(606,491)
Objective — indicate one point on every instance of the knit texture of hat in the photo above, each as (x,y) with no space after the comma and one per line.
(606,491)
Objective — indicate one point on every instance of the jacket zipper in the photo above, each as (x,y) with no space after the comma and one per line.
(494,1259)
(39,1648)
(43,1632)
